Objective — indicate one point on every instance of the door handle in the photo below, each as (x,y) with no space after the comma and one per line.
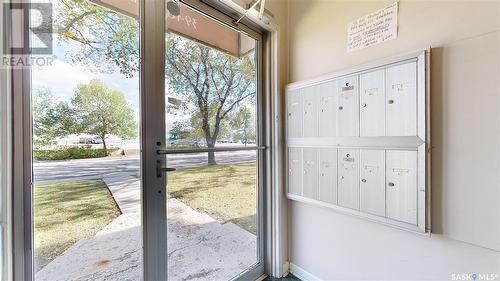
(165,169)
(160,169)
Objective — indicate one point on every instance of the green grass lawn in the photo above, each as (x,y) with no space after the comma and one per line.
(68,211)
(225,192)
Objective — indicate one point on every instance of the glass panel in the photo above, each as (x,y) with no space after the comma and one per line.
(211,83)
(212,215)
(87,223)
(211,88)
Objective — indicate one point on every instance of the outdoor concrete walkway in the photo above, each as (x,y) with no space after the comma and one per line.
(199,248)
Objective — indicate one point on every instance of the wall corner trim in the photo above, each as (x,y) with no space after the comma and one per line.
(302,274)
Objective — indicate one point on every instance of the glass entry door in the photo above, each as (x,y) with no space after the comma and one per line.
(149,153)
(213,148)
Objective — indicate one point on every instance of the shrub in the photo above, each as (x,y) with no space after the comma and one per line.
(75,152)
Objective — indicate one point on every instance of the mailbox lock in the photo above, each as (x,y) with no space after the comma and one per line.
(348,155)
(341,177)
(305,112)
(363,180)
(341,107)
(347,84)
(390,101)
(364,105)
(391,184)
(289,114)
(305,172)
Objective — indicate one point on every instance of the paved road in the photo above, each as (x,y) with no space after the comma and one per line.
(47,171)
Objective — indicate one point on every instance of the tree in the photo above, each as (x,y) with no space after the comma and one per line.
(52,118)
(106,38)
(243,124)
(102,111)
(212,82)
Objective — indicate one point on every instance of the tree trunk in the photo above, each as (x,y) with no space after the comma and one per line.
(104,146)
(211,155)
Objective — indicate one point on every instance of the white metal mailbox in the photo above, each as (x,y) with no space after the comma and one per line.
(328,175)
(328,109)
(310,169)
(402,100)
(401,178)
(358,141)
(348,178)
(347,106)
(372,181)
(372,103)
(294,113)
(310,119)
(295,170)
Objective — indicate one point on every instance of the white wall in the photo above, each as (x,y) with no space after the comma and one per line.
(465,97)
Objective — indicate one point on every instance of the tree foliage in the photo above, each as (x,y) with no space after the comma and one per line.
(243,125)
(107,39)
(99,110)
(213,84)
(52,118)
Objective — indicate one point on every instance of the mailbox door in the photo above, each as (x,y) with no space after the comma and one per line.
(348,107)
(328,109)
(372,103)
(328,175)
(401,185)
(310,173)
(348,178)
(310,118)
(295,170)
(372,182)
(294,113)
(402,100)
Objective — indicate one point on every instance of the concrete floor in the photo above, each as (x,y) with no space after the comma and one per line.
(199,247)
